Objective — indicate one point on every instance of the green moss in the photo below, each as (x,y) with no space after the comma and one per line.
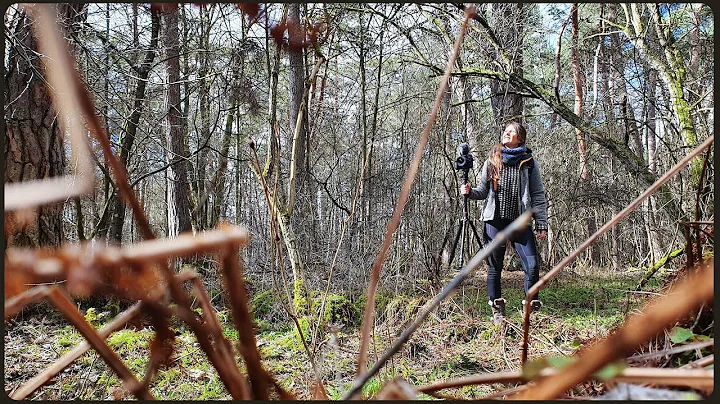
(300,298)
(261,304)
(94,318)
(338,310)
(127,341)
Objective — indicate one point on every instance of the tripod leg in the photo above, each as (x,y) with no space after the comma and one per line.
(454,244)
(475,232)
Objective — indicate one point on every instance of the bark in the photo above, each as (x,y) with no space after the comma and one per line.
(671,70)
(364,158)
(201,189)
(178,188)
(585,174)
(33,139)
(297,80)
(507,103)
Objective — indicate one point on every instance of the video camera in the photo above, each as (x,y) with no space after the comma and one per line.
(465,159)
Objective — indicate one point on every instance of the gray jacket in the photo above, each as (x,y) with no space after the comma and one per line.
(532,194)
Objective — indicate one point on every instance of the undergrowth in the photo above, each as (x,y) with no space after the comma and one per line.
(457,339)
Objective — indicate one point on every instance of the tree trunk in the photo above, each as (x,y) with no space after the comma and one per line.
(507,103)
(671,70)
(178,187)
(143,71)
(585,174)
(34,147)
(298,175)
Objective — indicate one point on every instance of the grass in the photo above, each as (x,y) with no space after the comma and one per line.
(457,339)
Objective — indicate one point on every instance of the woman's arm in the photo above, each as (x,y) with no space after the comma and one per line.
(537,198)
(481,191)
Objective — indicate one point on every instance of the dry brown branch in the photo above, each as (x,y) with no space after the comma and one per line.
(660,313)
(59,365)
(239,384)
(80,264)
(540,284)
(18,302)
(518,224)
(700,363)
(695,378)
(672,351)
(402,200)
(260,379)
(65,361)
(62,301)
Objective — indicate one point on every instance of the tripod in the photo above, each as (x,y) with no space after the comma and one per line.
(463,229)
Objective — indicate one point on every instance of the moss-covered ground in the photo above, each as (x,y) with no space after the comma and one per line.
(458,339)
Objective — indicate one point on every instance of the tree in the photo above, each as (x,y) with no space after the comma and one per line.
(507,103)
(178,189)
(130,130)
(585,174)
(34,145)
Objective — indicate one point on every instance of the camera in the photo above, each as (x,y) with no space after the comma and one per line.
(465,159)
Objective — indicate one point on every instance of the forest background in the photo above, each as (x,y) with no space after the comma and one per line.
(612,96)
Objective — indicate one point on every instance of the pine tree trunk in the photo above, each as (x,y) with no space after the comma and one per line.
(178,188)
(34,147)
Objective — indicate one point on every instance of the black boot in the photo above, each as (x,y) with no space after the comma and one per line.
(498,309)
(535,305)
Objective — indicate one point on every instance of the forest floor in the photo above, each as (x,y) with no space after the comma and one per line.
(458,339)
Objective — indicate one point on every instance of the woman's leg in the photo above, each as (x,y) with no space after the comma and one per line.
(495,260)
(526,247)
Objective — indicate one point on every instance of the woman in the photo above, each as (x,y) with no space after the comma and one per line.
(510,182)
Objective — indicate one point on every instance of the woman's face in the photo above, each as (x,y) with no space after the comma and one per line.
(509,138)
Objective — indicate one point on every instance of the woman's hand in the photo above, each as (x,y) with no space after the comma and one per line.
(541,234)
(465,189)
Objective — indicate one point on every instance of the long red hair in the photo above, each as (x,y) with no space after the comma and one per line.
(496,152)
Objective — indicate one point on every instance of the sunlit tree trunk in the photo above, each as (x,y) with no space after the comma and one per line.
(178,188)
(585,174)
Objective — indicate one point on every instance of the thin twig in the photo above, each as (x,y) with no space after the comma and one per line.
(672,351)
(683,297)
(699,378)
(65,361)
(402,201)
(62,301)
(540,284)
(518,224)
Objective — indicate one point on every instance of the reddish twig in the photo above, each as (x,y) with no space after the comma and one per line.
(682,298)
(61,300)
(402,200)
(235,286)
(70,357)
(570,258)
(238,386)
(17,302)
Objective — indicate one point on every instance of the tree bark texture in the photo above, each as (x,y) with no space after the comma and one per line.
(34,142)
(178,188)
(507,103)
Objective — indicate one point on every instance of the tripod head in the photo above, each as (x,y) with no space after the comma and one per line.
(464,161)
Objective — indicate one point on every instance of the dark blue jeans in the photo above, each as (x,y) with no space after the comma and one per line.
(524,243)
